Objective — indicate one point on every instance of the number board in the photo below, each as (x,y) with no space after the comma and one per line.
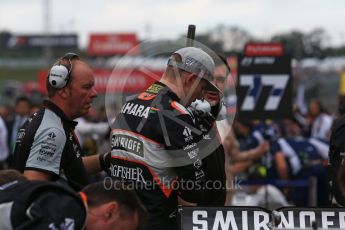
(264,89)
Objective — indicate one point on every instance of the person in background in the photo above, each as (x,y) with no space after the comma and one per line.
(242,151)
(5,112)
(297,157)
(35,108)
(4,151)
(229,149)
(320,121)
(21,114)
(47,147)
(266,196)
(89,133)
(4,146)
(251,146)
(210,108)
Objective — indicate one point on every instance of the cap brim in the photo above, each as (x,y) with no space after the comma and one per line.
(213,88)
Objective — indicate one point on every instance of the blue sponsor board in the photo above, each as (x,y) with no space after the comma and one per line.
(264,88)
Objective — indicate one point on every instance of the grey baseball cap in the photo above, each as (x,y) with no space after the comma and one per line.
(197,61)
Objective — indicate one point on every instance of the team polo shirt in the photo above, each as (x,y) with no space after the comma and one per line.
(47,143)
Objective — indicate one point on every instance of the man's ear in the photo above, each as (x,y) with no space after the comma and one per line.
(112,209)
(65,92)
(190,80)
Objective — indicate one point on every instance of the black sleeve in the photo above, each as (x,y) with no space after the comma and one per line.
(337,146)
(183,137)
(338,133)
(215,178)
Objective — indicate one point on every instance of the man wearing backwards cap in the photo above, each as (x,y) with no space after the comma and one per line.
(156,141)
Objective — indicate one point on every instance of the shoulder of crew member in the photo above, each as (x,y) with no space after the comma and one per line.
(46,153)
(52,134)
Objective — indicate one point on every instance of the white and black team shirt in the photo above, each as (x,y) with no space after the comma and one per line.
(47,143)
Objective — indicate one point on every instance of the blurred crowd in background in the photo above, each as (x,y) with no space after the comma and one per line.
(298,151)
(294,150)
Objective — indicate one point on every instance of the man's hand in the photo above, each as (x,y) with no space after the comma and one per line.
(104,161)
(264,147)
(97,163)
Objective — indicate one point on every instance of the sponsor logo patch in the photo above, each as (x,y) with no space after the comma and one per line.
(127,143)
(52,135)
(197,164)
(136,110)
(187,132)
(20,134)
(155,88)
(128,173)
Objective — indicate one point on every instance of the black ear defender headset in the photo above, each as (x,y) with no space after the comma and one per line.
(59,75)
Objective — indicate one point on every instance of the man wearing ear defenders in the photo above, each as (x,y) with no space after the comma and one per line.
(47,147)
